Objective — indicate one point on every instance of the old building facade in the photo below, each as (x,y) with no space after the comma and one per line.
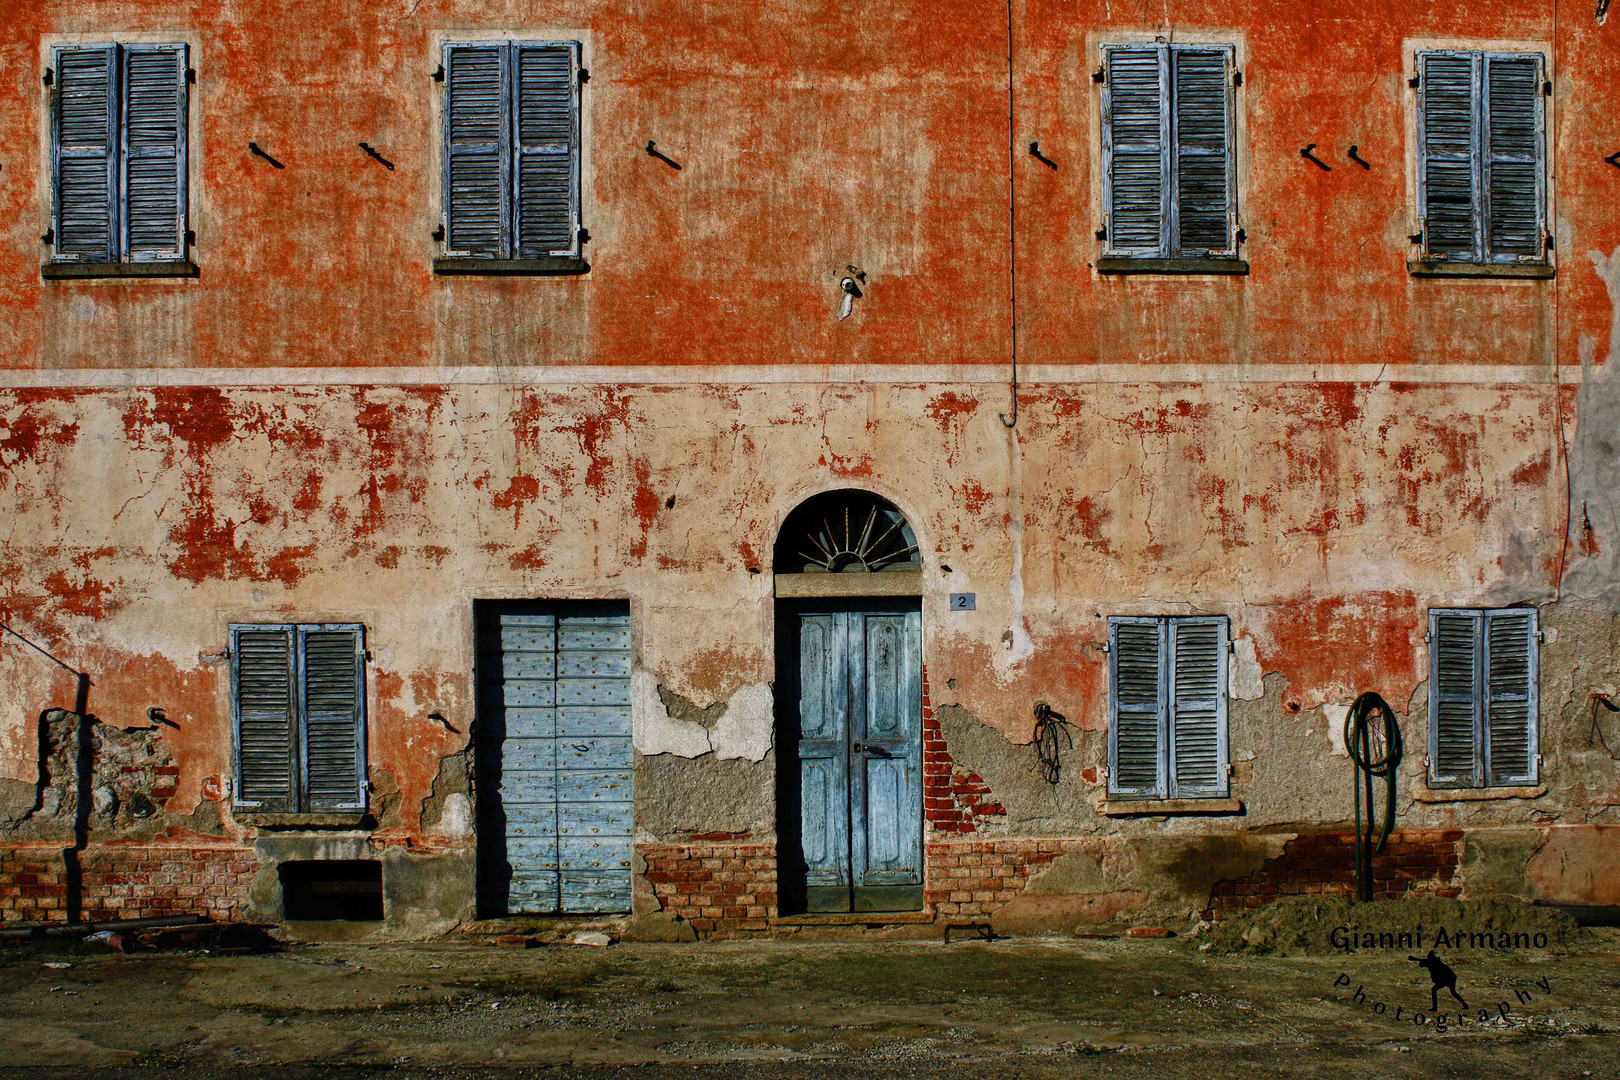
(649,462)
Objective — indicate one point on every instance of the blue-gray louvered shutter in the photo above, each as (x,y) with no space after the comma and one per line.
(547,144)
(1136,151)
(1198,753)
(154,153)
(1136,708)
(1448,195)
(477,166)
(1514,174)
(334,699)
(1455,667)
(1202,137)
(85,142)
(262,701)
(1511,677)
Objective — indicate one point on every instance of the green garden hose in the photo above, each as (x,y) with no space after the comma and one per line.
(1375,753)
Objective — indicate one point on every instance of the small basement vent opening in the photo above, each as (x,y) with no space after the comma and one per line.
(332,889)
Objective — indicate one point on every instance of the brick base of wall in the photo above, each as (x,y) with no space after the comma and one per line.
(1323,864)
(977,877)
(719,888)
(126,883)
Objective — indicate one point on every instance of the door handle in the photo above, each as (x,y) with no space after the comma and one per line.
(859,747)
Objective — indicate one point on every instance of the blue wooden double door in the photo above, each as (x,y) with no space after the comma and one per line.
(853,791)
(553,768)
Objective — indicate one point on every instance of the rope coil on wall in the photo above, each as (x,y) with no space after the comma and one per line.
(1048,726)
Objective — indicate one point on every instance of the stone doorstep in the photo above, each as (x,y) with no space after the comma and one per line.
(541,925)
(854,918)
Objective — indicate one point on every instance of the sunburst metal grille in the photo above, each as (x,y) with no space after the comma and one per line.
(846,532)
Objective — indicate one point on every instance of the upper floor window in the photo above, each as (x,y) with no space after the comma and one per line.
(1484,677)
(118,170)
(298,699)
(1169,169)
(1482,160)
(1167,707)
(511,157)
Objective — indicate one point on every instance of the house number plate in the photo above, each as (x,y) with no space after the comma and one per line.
(962,601)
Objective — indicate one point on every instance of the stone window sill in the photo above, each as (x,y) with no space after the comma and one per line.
(348,819)
(1162,807)
(64,271)
(1117,265)
(1420,268)
(553,266)
(1485,794)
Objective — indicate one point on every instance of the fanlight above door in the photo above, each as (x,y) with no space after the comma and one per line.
(846,532)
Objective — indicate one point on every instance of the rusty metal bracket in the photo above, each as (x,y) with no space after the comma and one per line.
(372,153)
(981,930)
(1305,152)
(1355,156)
(253,146)
(653,151)
(1614,159)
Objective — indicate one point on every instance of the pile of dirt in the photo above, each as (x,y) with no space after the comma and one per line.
(1334,926)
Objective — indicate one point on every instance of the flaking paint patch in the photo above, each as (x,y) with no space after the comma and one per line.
(1594,456)
(743,728)
(1247,681)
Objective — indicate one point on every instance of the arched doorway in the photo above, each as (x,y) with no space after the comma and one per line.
(849,627)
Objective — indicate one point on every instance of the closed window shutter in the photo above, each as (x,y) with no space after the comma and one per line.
(1203,141)
(1454,700)
(154,161)
(1136,152)
(1513,184)
(1137,715)
(334,708)
(1448,196)
(477,132)
(1197,708)
(547,133)
(262,673)
(1511,710)
(85,145)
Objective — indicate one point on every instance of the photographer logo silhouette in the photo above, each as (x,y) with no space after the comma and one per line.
(1444,979)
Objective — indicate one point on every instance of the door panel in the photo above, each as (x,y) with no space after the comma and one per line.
(555,807)
(888,724)
(859,720)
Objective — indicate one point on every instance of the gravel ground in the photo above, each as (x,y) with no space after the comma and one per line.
(460,1009)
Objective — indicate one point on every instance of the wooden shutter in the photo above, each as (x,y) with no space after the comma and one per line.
(1454,706)
(1513,181)
(1511,675)
(262,704)
(332,684)
(477,134)
(1197,708)
(1204,184)
(1136,151)
(1448,195)
(547,143)
(85,143)
(1136,714)
(154,152)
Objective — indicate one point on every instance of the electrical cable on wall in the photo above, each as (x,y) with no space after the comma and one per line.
(1012,229)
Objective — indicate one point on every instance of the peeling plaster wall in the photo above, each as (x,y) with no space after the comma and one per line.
(1321,449)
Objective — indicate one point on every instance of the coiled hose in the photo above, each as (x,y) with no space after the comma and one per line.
(1376,753)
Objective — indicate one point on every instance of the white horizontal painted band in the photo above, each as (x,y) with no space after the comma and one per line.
(1032,376)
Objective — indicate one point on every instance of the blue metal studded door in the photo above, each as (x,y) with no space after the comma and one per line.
(554,758)
(858,713)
